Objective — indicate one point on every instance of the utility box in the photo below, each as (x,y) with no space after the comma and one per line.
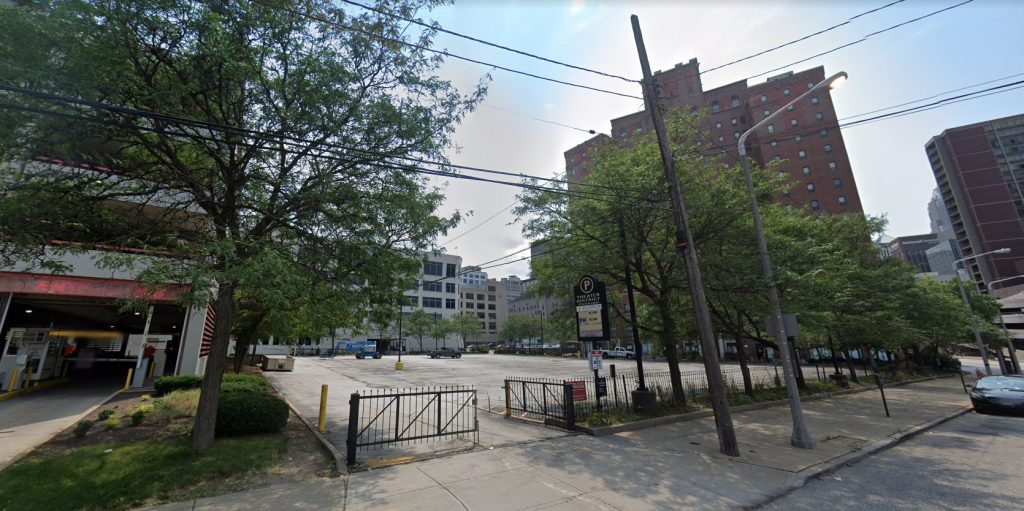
(278,363)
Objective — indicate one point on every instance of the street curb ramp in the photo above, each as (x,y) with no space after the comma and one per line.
(801,479)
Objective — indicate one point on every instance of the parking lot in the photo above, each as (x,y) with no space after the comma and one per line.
(345,375)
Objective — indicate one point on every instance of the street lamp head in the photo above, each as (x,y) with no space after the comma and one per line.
(838,80)
(1002,251)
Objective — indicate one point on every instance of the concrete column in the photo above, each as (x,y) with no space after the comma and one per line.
(191,341)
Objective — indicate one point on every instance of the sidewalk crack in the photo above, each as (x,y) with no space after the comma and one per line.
(442,485)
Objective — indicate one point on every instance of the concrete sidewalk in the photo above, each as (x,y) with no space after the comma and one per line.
(675,466)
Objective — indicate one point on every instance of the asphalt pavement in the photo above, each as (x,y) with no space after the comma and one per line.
(972,462)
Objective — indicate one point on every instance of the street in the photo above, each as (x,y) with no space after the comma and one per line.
(972,462)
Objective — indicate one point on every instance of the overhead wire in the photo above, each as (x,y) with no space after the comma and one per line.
(446,53)
(435,26)
(477,226)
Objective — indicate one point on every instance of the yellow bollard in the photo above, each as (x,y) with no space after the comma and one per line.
(399,366)
(64,372)
(152,366)
(128,380)
(321,425)
(14,379)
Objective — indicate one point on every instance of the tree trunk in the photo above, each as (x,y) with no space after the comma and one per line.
(832,351)
(871,359)
(206,413)
(741,354)
(668,340)
(849,365)
(241,346)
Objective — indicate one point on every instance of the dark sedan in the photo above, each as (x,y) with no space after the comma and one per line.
(999,394)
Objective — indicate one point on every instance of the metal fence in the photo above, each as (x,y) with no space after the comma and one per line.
(547,398)
(382,417)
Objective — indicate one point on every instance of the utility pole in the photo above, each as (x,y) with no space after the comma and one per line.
(688,251)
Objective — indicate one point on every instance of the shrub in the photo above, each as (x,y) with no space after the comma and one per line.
(106,414)
(144,398)
(82,428)
(230,387)
(113,422)
(168,384)
(182,403)
(251,380)
(145,408)
(247,413)
(137,417)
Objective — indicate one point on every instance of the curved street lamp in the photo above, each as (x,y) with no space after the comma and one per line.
(963,296)
(800,437)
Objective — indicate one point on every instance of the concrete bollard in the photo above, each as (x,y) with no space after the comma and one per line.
(14,380)
(321,424)
(128,380)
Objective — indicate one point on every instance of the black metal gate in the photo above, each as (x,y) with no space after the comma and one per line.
(542,399)
(378,418)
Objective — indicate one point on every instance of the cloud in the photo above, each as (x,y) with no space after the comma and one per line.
(576,6)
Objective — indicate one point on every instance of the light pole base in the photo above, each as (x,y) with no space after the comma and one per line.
(399,366)
(644,401)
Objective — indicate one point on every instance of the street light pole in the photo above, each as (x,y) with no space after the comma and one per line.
(800,437)
(1014,362)
(688,252)
(963,296)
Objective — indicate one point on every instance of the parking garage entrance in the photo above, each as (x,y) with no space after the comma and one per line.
(83,332)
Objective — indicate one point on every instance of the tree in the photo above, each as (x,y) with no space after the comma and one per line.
(239,132)
(443,327)
(419,324)
(466,325)
(519,327)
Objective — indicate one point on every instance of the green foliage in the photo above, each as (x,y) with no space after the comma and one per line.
(246,413)
(181,403)
(134,475)
(82,428)
(466,326)
(112,422)
(242,386)
(418,324)
(137,417)
(106,414)
(518,328)
(168,384)
(248,379)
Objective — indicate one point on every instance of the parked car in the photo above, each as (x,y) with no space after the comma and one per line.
(446,352)
(999,394)
(618,352)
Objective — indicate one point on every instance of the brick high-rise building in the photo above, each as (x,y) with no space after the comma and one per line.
(806,137)
(980,172)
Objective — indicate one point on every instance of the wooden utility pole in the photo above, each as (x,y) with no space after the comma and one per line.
(688,251)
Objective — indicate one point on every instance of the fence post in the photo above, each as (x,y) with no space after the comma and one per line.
(439,413)
(508,400)
(615,385)
(569,408)
(353,429)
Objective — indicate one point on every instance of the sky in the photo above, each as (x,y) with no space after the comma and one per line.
(976,42)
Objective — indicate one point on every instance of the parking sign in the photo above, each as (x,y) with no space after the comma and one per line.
(595,360)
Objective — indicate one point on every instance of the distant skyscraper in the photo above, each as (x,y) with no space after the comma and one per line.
(942,256)
(979,169)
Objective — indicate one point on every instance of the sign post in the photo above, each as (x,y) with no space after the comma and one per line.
(592,325)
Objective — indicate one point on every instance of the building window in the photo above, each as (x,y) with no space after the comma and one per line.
(432,286)
(450,270)
(810,187)
(480,297)
(798,137)
(735,101)
(433,268)
(718,125)
(807,171)
(480,315)
(715,107)
(491,307)
(726,164)
(803,154)
(818,116)
(449,287)
(638,128)
(824,132)
(814,100)
(736,135)
(733,121)
(790,108)
(449,303)
(842,200)
(776,158)
(793,123)
(622,132)
(782,173)
(764,99)
(767,112)
(832,165)
(775,143)
(785,193)
(492,315)
(810,85)
(412,301)
(492,326)
(838,182)
(431,303)
(785,92)
(693,109)
(771,128)
(828,148)
(814,205)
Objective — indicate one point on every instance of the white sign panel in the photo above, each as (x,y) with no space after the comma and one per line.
(595,360)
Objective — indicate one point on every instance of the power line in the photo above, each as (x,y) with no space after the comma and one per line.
(862,39)
(804,38)
(439,28)
(446,53)
(592,132)
(286,139)
(979,84)
(492,217)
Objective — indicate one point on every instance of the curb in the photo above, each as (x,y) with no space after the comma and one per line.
(851,458)
(701,414)
(339,459)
